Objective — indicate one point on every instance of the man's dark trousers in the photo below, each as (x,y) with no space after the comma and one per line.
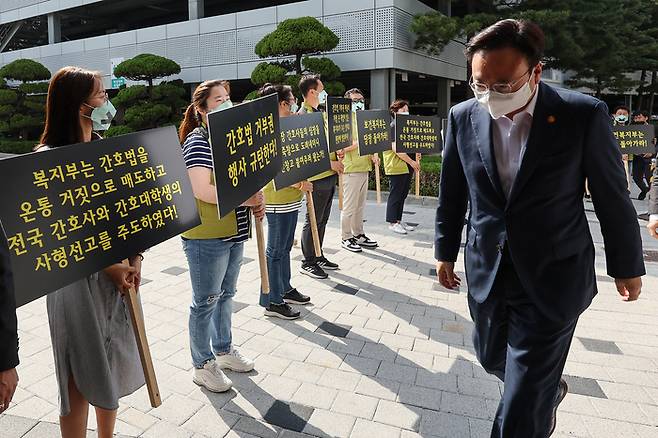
(642,172)
(524,349)
(323,195)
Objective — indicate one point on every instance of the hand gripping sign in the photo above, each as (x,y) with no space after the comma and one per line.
(246,155)
(77,209)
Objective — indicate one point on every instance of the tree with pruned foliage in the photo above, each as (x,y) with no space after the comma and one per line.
(23,87)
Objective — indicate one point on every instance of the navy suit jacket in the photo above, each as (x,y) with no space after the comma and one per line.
(543,223)
(8,331)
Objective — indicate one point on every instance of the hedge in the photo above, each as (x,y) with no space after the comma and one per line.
(16,146)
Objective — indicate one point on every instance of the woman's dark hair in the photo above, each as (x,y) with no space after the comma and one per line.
(67,91)
(522,35)
(396,105)
(192,118)
(283,92)
(621,107)
(308,82)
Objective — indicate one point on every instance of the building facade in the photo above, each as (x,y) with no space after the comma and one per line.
(216,39)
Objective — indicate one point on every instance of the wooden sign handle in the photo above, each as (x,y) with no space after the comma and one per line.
(340,189)
(628,174)
(137,318)
(418,175)
(262,262)
(378,184)
(310,207)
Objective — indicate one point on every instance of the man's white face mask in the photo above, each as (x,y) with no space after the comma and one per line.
(499,104)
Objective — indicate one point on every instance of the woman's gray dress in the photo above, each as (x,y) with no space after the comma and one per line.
(93,342)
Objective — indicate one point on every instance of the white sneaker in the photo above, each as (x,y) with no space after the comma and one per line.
(408,227)
(397,228)
(234,361)
(351,245)
(212,377)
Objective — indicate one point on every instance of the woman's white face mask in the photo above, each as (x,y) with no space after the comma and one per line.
(221,107)
(499,104)
(101,116)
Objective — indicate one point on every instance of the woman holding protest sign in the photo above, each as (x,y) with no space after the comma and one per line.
(96,356)
(399,168)
(282,208)
(213,249)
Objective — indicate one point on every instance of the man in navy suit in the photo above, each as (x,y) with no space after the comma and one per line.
(519,154)
(8,331)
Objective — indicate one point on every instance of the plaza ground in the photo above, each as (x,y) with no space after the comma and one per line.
(384,351)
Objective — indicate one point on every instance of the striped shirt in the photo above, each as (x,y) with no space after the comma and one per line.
(197,153)
(283,208)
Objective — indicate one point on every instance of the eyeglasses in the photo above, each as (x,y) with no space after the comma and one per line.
(358,101)
(502,87)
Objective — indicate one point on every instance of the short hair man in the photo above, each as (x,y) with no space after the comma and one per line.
(324,187)
(520,151)
(355,185)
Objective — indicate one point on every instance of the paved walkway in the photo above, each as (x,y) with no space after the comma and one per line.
(383,352)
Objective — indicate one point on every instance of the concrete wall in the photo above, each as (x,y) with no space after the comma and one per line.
(14,10)
(374,34)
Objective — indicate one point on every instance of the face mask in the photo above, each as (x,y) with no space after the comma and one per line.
(294,108)
(621,118)
(404,113)
(101,116)
(224,105)
(322,96)
(358,106)
(500,104)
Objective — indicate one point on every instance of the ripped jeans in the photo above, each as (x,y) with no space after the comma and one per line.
(214,268)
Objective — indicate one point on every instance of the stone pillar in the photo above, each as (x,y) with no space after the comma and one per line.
(382,88)
(54,29)
(195,9)
(443,97)
(392,89)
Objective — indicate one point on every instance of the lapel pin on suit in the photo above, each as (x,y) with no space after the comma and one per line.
(551,119)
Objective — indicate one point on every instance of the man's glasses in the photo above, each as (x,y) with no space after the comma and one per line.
(501,87)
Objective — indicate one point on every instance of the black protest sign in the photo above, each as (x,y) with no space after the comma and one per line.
(417,134)
(303,149)
(635,139)
(373,131)
(245,150)
(339,122)
(77,209)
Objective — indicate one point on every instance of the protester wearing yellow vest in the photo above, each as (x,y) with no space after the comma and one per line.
(324,186)
(281,208)
(399,167)
(355,185)
(213,249)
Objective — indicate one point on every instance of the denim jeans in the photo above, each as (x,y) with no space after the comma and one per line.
(214,268)
(280,236)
